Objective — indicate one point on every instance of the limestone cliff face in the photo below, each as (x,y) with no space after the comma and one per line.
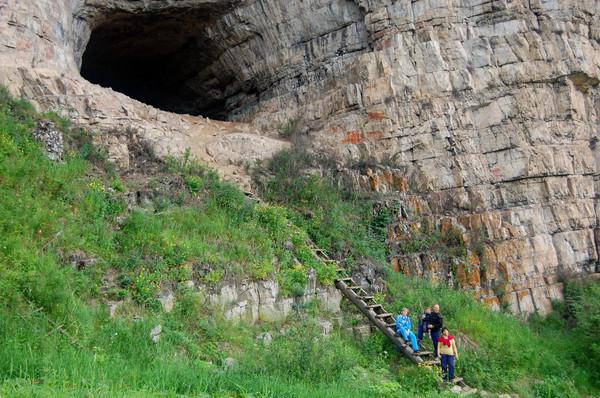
(480,115)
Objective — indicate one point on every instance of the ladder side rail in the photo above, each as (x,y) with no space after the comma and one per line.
(380,324)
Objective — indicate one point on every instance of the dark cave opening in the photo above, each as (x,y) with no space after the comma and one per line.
(163,59)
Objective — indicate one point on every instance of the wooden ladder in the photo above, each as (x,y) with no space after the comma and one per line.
(379,317)
(376,314)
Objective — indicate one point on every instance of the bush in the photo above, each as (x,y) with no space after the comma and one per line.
(228,197)
(289,128)
(340,223)
(194,184)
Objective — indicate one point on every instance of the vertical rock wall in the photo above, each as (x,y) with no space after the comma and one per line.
(478,114)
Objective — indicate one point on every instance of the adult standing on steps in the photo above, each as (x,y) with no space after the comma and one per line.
(435,322)
(446,346)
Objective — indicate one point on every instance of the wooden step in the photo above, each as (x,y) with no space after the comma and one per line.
(374,306)
(434,362)
(347,278)
(354,287)
(386,315)
(423,353)
(365,298)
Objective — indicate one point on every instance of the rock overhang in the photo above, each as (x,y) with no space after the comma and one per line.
(165,57)
(218,58)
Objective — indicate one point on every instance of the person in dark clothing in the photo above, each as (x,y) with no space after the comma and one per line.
(422,329)
(435,322)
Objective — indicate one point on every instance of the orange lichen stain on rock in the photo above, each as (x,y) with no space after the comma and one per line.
(414,227)
(467,273)
(395,265)
(401,183)
(473,259)
(415,205)
(445,224)
(404,269)
(375,135)
(503,270)
(335,130)
(353,137)
(374,179)
(493,225)
(376,115)
(522,294)
(388,177)
(473,276)
(461,275)
(492,302)
(22,44)
(465,221)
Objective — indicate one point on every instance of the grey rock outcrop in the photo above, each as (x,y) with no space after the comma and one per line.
(51,139)
(253,301)
(478,114)
(155,333)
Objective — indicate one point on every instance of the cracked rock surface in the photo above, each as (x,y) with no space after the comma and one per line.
(478,114)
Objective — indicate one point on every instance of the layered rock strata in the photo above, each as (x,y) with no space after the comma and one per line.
(475,113)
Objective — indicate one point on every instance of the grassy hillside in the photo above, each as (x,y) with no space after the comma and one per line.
(57,339)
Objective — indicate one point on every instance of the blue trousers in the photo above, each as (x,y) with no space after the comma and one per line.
(448,367)
(435,335)
(410,336)
(421,330)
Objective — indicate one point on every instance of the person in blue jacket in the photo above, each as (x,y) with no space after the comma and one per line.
(403,328)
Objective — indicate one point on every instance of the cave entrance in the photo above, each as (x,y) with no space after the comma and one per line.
(163,59)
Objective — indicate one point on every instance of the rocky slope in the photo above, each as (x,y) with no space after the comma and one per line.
(477,114)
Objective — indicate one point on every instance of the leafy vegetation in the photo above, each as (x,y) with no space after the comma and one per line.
(72,238)
(538,357)
(58,340)
(289,128)
(338,221)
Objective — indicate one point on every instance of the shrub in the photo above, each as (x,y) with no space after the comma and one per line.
(340,223)
(145,286)
(582,314)
(274,219)
(194,184)
(289,128)
(228,197)
(293,280)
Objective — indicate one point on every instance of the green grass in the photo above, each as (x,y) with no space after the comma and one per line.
(542,358)
(57,340)
(539,357)
(337,220)
(56,336)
